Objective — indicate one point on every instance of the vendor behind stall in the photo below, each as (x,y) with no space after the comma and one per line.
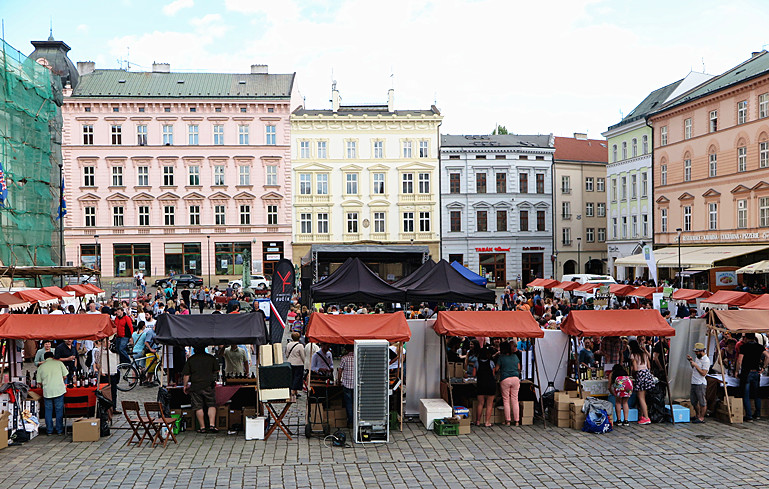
(67,353)
(235,360)
(322,363)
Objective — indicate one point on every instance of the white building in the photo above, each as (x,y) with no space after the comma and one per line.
(496,200)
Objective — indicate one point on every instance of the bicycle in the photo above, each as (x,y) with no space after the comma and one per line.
(135,372)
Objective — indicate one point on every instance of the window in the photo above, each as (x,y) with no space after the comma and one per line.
(588,184)
(352,222)
(90,216)
(456,221)
(379,183)
(352,183)
(117,176)
(523,183)
(481,221)
(742,112)
(633,186)
(423,151)
(763,105)
(424,183)
(634,147)
(244,175)
(590,233)
(624,227)
(644,184)
(194,215)
(88,134)
(664,220)
(321,180)
(501,183)
(540,183)
(218,134)
(712,165)
(614,190)
(89,176)
(454,183)
(763,154)
(304,149)
(117,134)
(166,109)
(141,135)
(566,210)
(601,235)
(168,176)
(645,225)
(408,222)
(323,222)
(614,227)
(243,135)
(624,150)
(305,223)
(245,215)
(688,128)
(663,136)
(540,220)
(407,149)
(645,146)
(480,183)
(271,175)
(219,175)
(712,216)
(169,212)
(270,136)
(663,174)
(614,153)
(168,134)
(193,172)
(378,150)
(219,215)
(566,236)
(589,209)
(322,149)
(742,158)
(565,184)
(623,187)
(408,183)
(143,176)
(601,209)
(763,208)
(352,149)
(305,183)
(713,120)
(144,215)
(600,184)
(687,170)
(523,221)
(687,218)
(272,215)
(424,222)
(742,213)
(117,216)
(192,134)
(379,222)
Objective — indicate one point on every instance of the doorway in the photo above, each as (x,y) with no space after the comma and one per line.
(493,267)
(532,266)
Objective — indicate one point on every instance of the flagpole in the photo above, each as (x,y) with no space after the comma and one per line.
(62,211)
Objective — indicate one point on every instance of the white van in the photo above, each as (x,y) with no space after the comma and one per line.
(588,278)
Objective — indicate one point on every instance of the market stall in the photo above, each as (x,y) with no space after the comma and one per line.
(444,284)
(415,275)
(760,302)
(36,297)
(353,281)
(728,298)
(469,274)
(542,283)
(13,303)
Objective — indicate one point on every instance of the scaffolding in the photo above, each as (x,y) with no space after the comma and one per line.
(30,153)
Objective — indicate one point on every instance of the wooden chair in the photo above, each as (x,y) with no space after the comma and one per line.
(137,422)
(158,421)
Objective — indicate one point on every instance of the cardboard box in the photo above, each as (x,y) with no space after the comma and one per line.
(86,429)
(277,353)
(274,394)
(527,421)
(562,397)
(235,418)
(249,411)
(526,408)
(576,405)
(3,430)
(456,370)
(222,417)
(564,406)
(561,414)
(265,355)
(562,423)
(254,428)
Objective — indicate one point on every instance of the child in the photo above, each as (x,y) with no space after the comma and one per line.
(621,387)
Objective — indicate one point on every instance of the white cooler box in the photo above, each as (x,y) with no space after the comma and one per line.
(432,409)
(255,427)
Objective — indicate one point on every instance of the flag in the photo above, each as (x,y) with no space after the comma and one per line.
(3,187)
(280,298)
(62,203)
(651,262)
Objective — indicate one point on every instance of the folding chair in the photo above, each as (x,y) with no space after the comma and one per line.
(137,422)
(158,423)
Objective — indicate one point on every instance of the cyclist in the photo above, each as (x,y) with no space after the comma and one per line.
(153,358)
(138,341)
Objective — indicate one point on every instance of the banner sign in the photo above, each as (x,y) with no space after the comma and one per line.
(280,297)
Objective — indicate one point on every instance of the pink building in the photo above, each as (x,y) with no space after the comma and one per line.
(178,172)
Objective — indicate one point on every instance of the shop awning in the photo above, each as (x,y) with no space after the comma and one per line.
(647,322)
(36,295)
(494,324)
(56,326)
(691,256)
(79,290)
(12,302)
(56,292)
(621,289)
(344,329)
(542,283)
(645,292)
(744,321)
(690,294)
(588,287)
(567,285)
(730,298)
(212,329)
(760,267)
(760,302)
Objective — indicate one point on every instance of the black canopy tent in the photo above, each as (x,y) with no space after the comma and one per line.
(212,329)
(416,275)
(444,284)
(355,282)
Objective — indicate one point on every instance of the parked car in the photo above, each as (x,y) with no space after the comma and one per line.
(589,278)
(182,280)
(257,282)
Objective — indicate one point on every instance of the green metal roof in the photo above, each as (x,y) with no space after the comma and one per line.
(121,83)
(651,103)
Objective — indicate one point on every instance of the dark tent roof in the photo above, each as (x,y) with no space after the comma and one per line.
(212,329)
(443,283)
(355,282)
(469,274)
(416,275)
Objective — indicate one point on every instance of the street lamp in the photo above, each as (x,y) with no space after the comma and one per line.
(680,271)
(579,255)
(209,261)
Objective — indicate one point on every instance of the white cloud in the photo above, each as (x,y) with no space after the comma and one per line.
(83,28)
(177,5)
(210,24)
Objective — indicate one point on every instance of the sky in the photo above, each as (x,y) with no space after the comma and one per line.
(536,67)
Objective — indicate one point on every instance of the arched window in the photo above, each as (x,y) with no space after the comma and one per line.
(614,153)
(634,147)
(645,144)
(624,150)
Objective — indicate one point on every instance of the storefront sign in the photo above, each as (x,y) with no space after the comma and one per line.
(193,264)
(121,266)
(726,279)
(273,250)
(725,236)
(142,265)
(533,248)
(489,248)
(224,263)
(272,257)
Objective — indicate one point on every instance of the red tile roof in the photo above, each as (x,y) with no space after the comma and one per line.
(571,149)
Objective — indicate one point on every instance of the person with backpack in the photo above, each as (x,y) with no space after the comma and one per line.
(294,355)
(621,387)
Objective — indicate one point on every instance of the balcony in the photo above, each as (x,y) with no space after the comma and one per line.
(378,236)
(351,237)
(313,238)
(312,199)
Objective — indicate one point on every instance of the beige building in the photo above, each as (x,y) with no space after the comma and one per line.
(579,208)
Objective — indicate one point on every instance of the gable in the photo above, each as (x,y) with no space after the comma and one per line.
(740,189)
(686,196)
(194,196)
(711,193)
(117,197)
(313,167)
(168,196)
(244,196)
(89,197)
(762,185)
(662,200)
(143,196)
(219,196)
(272,196)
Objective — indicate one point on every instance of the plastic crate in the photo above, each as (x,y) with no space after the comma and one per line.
(442,428)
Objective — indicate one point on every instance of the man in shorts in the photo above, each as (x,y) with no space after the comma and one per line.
(200,373)
(700,367)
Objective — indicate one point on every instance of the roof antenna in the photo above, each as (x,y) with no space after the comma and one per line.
(703,65)
(128,58)
(50,32)
(392,78)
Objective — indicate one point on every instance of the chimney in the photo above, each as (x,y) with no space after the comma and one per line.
(85,67)
(391,100)
(258,69)
(161,67)
(335,99)
(580,135)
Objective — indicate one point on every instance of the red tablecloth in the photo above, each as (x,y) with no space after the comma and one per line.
(77,397)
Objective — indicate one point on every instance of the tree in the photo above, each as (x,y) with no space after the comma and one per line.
(499,130)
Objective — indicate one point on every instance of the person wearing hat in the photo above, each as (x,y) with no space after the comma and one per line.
(749,364)
(700,367)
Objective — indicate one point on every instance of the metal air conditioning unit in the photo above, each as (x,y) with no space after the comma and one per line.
(371,400)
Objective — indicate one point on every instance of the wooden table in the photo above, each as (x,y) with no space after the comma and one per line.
(278,418)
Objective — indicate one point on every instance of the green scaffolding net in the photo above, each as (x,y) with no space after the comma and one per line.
(30,152)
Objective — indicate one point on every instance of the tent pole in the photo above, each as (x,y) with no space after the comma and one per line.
(711,323)
(539,386)
(578,377)
(667,379)
(400,372)
(448,377)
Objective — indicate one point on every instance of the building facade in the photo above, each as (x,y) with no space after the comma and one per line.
(178,172)
(496,200)
(579,173)
(365,174)
(711,165)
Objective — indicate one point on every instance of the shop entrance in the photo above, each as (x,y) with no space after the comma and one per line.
(493,267)
(532,266)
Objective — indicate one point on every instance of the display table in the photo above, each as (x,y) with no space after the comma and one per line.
(276,420)
(240,395)
(596,387)
(78,401)
(735,382)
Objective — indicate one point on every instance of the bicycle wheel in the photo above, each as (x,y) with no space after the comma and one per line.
(128,377)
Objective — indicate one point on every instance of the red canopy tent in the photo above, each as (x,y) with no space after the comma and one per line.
(730,298)
(647,322)
(79,290)
(36,296)
(93,289)
(56,292)
(494,324)
(544,283)
(645,292)
(760,302)
(12,302)
(346,328)
(567,285)
(621,289)
(56,326)
(587,287)
(690,294)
